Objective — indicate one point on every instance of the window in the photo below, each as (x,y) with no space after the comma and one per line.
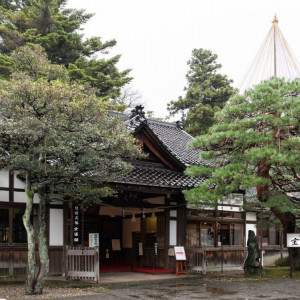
(230,214)
(19,232)
(214,233)
(207,234)
(230,234)
(223,235)
(236,234)
(274,236)
(192,235)
(270,236)
(4,225)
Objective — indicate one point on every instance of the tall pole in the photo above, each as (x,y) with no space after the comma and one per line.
(221,235)
(275,21)
(261,234)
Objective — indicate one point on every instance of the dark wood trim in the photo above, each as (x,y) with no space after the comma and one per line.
(47,220)
(11,187)
(59,206)
(19,190)
(251,222)
(181,223)
(214,219)
(129,186)
(56,248)
(65,223)
(159,150)
(15,205)
(4,189)
(167,231)
(10,221)
(226,248)
(13,247)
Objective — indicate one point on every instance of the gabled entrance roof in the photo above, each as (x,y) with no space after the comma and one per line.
(168,143)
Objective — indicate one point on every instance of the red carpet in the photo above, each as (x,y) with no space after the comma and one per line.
(127,267)
(150,270)
(115,267)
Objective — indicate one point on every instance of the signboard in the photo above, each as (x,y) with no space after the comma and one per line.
(293,240)
(93,239)
(115,245)
(155,249)
(140,249)
(180,253)
(171,252)
(76,224)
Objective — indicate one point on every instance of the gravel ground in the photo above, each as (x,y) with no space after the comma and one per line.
(16,292)
(232,286)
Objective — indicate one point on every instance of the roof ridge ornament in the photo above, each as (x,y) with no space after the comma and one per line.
(179,124)
(138,111)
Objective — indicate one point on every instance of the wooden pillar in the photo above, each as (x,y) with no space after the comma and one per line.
(10,220)
(181,223)
(167,233)
(143,239)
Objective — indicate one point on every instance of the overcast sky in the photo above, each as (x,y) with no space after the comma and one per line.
(156,37)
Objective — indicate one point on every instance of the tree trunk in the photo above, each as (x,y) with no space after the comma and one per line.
(288,221)
(30,238)
(43,247)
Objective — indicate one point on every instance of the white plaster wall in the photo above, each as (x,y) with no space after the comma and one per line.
(229,208)
(18,183)
(128,228)
(20,197)
(173,213)
(250,227)
(269,259)
(173,233)
(56,227)
(4,177)
(4,196)
(250,216)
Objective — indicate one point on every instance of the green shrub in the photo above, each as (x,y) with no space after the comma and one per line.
(282,261)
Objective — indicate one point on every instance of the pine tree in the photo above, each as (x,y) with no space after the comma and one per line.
(57,29)
(206,93)
(255,143)
(62,139)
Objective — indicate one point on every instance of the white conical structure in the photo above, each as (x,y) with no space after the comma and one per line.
(274,59)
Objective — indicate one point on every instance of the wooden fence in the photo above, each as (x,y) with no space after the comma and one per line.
(196,259)
(82,263)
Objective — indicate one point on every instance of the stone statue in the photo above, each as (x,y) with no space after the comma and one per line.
(251,265)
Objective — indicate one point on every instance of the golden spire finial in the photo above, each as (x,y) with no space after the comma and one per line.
(275,20)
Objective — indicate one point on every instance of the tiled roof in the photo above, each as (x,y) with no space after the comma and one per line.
(159,177)
(176,141)
(170,136)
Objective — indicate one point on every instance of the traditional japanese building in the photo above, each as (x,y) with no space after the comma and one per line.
(142,224)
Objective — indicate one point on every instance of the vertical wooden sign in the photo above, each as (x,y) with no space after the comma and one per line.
(76,224)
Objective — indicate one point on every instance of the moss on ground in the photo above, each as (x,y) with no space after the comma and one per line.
(278,272)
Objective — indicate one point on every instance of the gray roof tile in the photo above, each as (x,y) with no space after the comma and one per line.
(176,141)
(159,177)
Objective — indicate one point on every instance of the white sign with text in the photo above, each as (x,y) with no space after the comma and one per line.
(293,240)
(180,253)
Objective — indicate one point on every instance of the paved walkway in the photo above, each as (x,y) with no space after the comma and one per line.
(133,286)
